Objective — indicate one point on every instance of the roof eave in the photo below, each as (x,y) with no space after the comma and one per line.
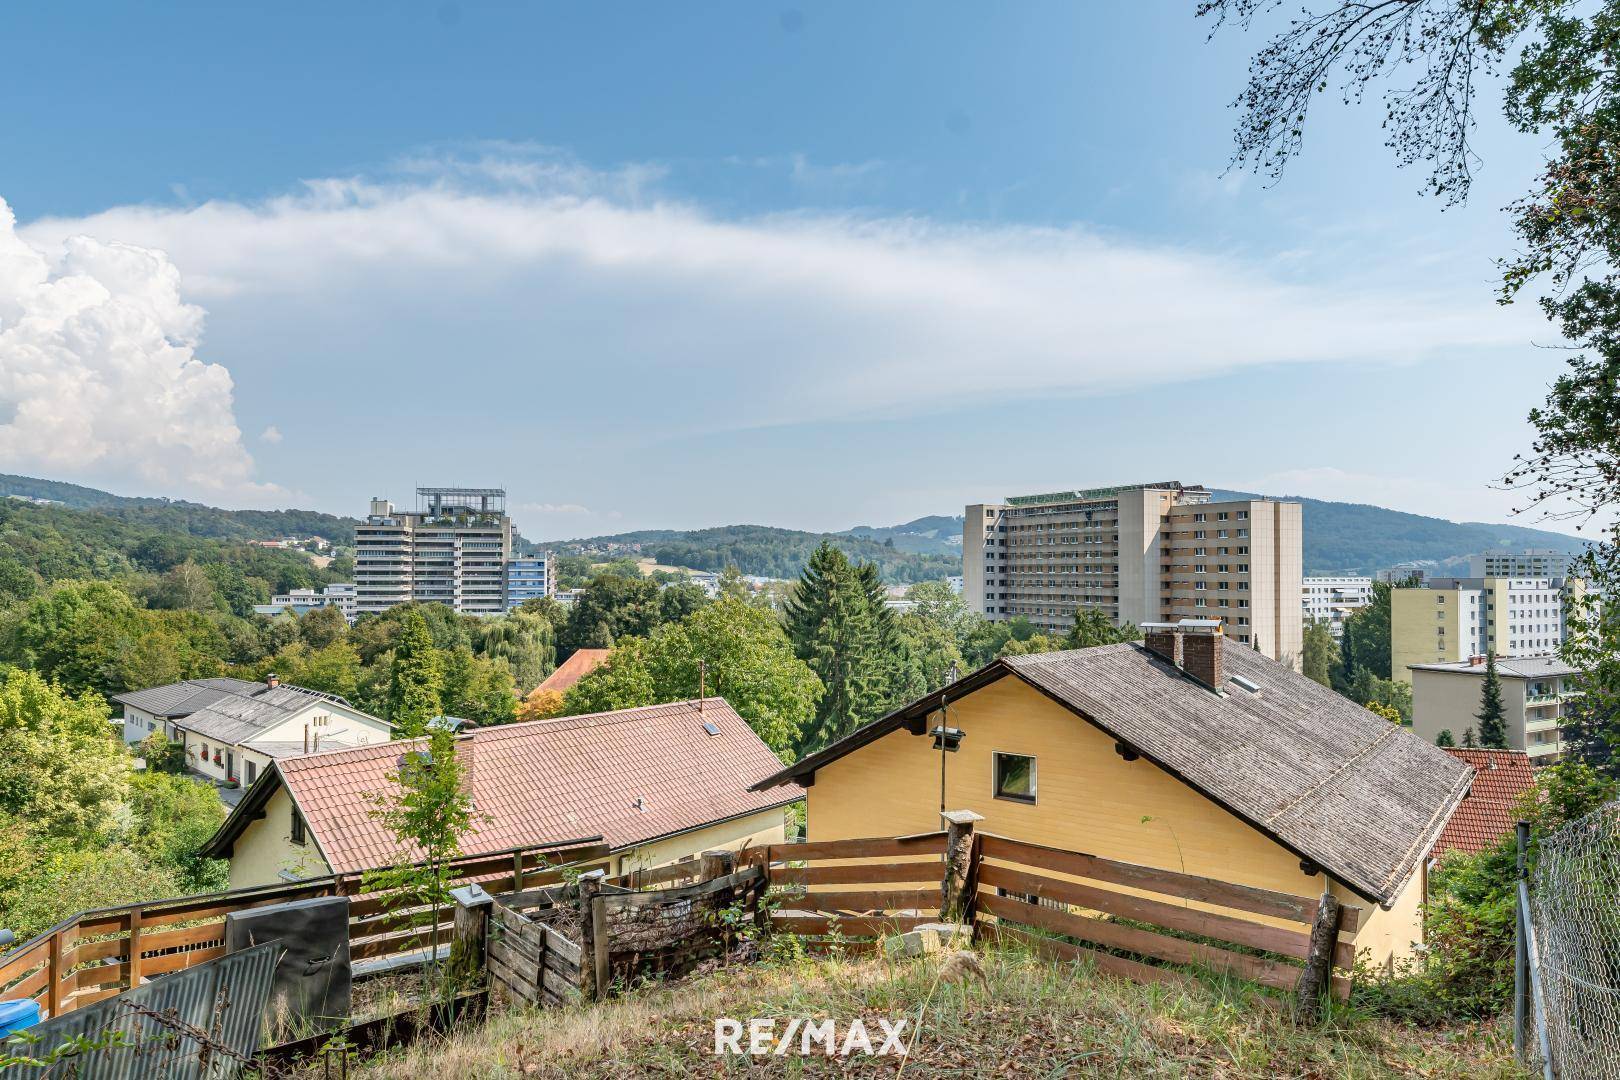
(242,815)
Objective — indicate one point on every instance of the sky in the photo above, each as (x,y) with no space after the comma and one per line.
(683,265)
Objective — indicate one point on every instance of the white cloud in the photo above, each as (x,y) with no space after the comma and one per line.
(554,508)
(271,434)
(99,375)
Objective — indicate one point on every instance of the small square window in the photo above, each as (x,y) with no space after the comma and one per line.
(1015,777)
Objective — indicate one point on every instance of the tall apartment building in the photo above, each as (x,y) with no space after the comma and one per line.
(528,579)
(1531,563)
(1450,620)
(452,549)
(1142,553)
(1535,697)
(1333,599)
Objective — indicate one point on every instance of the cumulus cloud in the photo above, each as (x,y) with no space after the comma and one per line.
(99,375)
(804,317)
(271,434)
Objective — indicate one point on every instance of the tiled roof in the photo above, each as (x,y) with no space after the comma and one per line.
(1358,796)
(573,669)
(1500,777)
(629,776)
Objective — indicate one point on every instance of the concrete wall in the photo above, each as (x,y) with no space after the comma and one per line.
(1087,799)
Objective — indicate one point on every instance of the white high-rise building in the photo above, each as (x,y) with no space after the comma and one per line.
(1450,620)
(1333,599)
(1140,553)
(452,549)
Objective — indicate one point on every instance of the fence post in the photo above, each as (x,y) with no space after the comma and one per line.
(1316,980)
(468,957)
(1521,959)
(517,871)
(716,863)
(593,937)
(134,947)
(954,900)
(53,974)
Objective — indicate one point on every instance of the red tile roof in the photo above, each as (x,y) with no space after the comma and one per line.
(1500,777)
(629,776)
(573,669)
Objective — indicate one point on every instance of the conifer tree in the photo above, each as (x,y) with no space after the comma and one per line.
(835,630)
(1469,741)
(416,681)
(1444,738)
(1492,722)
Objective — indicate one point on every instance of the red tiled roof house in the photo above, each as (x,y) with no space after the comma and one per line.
(657,784)
(1501,777)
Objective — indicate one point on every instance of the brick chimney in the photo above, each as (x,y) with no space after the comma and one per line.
(1192,645)
(272,680)
(1202,643)
(1164,640)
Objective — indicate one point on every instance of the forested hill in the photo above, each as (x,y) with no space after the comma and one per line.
(1354,538)
(761,549)
(180,517)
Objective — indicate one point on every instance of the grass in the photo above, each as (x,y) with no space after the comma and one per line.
(1039,1018)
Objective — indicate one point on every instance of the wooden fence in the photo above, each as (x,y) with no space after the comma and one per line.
(98,954)
(852,892)
(530,960)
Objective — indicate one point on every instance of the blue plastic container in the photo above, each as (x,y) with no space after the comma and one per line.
(17,1015)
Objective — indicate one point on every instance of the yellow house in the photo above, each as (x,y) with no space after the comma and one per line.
(1179,753)
(658,785)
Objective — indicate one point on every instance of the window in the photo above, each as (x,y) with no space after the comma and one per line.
(300,835)
(252,773)
(1015,777)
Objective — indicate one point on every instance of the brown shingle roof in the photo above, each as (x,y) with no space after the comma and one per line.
(1500,778)
(549,780)
(1345,789)
(573,669)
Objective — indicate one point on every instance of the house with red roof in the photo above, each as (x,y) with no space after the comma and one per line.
(658,784)
(1501,777)
(573,669)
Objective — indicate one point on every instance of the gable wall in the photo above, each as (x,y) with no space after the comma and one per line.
(1088,799)
(265,848)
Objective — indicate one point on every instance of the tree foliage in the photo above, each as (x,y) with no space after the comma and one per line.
(1320,652)
(837,630)
(1491,716)
(416,678)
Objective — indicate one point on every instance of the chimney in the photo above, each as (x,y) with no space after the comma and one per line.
(272,680)
(1164,640)
(1192,645)
(1202,642)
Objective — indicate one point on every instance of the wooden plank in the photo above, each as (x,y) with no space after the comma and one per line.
(1206,890)
(741,879)
(1110,935)
(90,997)
(562,966)
(867,900)
(600,966)
(556,942)
(873,848)
(162,965)
(1106,962)
(525,967)
(29,985)
(100,975)
(852,926)
(20,962)
(856,873)
(659,875)
(175,939)
(220,905)
(512,981)
(101,926)
(397,919)
(544,897)
(86,952)
(393,944)
(1230,928)
(559,986)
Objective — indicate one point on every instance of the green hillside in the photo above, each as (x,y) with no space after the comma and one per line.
(1354,538)
(932,535)
(181,517)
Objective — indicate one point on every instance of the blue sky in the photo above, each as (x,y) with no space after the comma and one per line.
(686,265)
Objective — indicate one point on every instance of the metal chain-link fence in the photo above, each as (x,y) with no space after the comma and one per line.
(1575,908)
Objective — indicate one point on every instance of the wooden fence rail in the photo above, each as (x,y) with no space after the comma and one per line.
(99,954)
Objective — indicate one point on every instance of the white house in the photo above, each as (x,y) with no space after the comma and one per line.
(233,729)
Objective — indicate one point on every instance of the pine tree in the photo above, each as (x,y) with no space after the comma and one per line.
(416,680)
(1444,738)
(835,630)
(1469,741)
(1491,717)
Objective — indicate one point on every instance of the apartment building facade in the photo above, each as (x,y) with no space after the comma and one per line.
(339,594)
(1531,563)
(1535,696)
(1140,553)
(452,549)
(529,578)
(1451,620)
(1334,599)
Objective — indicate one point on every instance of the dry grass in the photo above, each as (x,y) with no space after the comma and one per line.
(1041,1018)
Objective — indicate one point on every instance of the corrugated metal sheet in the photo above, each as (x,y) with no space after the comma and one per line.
(224,998)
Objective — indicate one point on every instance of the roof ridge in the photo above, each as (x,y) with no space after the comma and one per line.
(607,715)
(1344,766)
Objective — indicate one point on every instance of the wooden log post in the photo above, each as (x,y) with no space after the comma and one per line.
(470,944)
(134,946)
(1314,981)
(716,863)
(954,900)
(593,937)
